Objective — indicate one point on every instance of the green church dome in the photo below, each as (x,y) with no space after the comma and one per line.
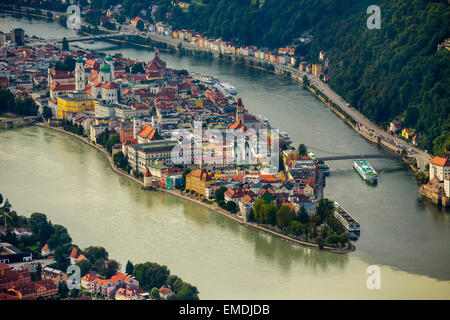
(109,58)
(79,60)
(105,68)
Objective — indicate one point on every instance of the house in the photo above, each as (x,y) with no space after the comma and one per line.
(439,168)
(45,251)
(198,180)
(34,290)
(246,207)
(322,55)
(75,256)
(22,232)
(147,134)
(108,287)
(395,126)
(125,294)
(415,140)
(10,254)
(135,21)
(164,292)
(407,133)
(10,278)
(55,275)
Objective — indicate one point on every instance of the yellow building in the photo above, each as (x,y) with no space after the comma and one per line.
(198,180)
(407,133)
(316,69)
(176,34)
(74,102)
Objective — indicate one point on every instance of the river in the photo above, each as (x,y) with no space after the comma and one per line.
(406,236)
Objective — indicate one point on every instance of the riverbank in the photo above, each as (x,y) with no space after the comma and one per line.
(213,207)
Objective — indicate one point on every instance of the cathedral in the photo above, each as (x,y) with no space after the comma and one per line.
(100,85)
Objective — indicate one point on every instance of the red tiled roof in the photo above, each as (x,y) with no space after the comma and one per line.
(74,253)
(440,161)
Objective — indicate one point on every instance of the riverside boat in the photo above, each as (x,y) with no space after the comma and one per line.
(225,89)
(344,218)
(365,170)
(324,168)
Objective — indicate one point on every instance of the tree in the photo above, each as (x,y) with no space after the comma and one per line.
(140,25)
(324,208)
(111,142)
(302,150)
(40,227)
(63,290)
(220,194)
(137,68)
(94,253)
(7,102)
(47,112)
(269,213)
(183,72)
(185,173)
(112,266)
(4,210)
(295,228)
(154,293)
(343,238)
(129,269)
(257,210)
(85,266)
(231,206)
(332,239)
(151,275)
(284,216)
(305,81)
(65,44)
(74,293)
(303,216)
(59,237)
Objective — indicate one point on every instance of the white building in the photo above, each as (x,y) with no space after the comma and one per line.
(439,168)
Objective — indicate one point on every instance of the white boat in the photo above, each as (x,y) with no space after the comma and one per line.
(365,170)
(225,88)
(286,136)
(263,119)
(347,221)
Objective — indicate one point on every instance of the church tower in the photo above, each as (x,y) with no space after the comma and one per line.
(105,73)
(79,74)
(110,62)
(240,112)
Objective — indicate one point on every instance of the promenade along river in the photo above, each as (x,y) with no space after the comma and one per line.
(41,170)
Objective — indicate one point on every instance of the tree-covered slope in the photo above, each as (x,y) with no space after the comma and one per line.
(393,72)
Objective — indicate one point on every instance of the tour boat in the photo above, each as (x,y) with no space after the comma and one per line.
(365,170)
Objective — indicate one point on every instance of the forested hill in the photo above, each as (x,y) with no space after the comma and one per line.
(393,72)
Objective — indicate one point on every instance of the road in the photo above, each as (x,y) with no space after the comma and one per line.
(421,156)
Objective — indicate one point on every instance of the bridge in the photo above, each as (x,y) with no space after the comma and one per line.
(93,37)
(362,156)
(6,120)
(7,123)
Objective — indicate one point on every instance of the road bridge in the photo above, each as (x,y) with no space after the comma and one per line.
(362,156)
(93,37)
